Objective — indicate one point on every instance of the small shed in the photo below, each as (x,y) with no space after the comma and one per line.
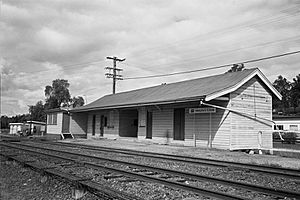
(18,128)
(28,128)
(36,128)
(59,124)
(232,111)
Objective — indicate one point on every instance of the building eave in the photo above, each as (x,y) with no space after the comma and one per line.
(235,87)
(139,104)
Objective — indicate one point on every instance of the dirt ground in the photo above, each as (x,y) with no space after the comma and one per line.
(236,156)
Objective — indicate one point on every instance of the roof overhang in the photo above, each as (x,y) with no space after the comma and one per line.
(235,87)
(36,122)
(139,104)
(58,110)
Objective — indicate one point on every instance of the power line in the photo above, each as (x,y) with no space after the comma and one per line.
(195,59)
(215,67)
(266,19)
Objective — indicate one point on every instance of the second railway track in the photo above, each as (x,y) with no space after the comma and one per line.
(278,171)
(154,174)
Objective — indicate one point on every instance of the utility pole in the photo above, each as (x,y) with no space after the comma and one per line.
(113,71)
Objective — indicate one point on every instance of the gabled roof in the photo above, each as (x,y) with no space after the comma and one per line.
(206,88)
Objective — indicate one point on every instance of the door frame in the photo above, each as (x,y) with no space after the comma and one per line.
(102,125)
(179,124)
(94,125)
(149,123)
(63,127)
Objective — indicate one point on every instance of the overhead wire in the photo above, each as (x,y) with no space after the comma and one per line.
(214,67)
(200,58)
(244,25)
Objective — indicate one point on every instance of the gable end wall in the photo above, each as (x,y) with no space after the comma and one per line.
(252,98)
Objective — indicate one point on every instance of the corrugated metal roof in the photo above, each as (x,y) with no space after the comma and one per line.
(195,88)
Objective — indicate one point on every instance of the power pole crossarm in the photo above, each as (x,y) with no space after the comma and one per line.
(114,69)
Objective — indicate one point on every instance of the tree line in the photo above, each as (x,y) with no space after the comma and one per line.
(56,95)
(290,91)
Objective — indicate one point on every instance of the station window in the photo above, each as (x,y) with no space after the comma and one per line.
(293,127)
(278,127)
(52,119)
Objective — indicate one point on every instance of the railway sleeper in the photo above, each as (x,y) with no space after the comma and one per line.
(128,180)
(113,176)
(151,173)
(139,170)
(81,184)
(280,193)
(164,176)
(107,192)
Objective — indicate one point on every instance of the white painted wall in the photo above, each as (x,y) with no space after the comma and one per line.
(287,124)
(55,128)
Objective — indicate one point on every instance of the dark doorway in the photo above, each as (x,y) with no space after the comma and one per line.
(94,125)
(102,124)
(66,123)
(128,123)
(149,125)
(179,115)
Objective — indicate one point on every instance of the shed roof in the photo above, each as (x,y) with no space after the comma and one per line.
(58,110)
(206,88)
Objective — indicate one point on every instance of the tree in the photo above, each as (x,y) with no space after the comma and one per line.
(37,112)
(58,94)
(236,68)
(77,101)
(295,92)
(283,86)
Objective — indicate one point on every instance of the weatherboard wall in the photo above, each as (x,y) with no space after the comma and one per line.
(112,127)
(78,125)
(251,132)
(210,129)
(195,124)
(55,128)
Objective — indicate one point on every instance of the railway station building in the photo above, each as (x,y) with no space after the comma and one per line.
(231,111)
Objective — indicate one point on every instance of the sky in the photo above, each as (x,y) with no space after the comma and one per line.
(41,41)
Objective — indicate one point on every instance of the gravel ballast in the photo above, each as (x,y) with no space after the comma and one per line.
(145,190)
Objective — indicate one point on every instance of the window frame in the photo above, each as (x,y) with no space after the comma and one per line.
(52,119)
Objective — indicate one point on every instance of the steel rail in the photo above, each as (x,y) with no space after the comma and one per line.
(190,188)
(291,173)
(92,186)
(257,188)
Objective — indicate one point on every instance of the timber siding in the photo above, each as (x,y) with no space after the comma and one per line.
(112,128)
(55,128)
(162,124)
(142,118)
(232,94)
(217,131)
(78,125)
(245,130)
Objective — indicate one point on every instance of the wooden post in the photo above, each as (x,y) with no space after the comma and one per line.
(194,135)
(210,137)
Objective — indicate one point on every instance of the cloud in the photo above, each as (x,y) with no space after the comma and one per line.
(44,40)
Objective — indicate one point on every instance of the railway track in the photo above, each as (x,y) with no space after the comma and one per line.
(152,174)
(81,184)
(277,171)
